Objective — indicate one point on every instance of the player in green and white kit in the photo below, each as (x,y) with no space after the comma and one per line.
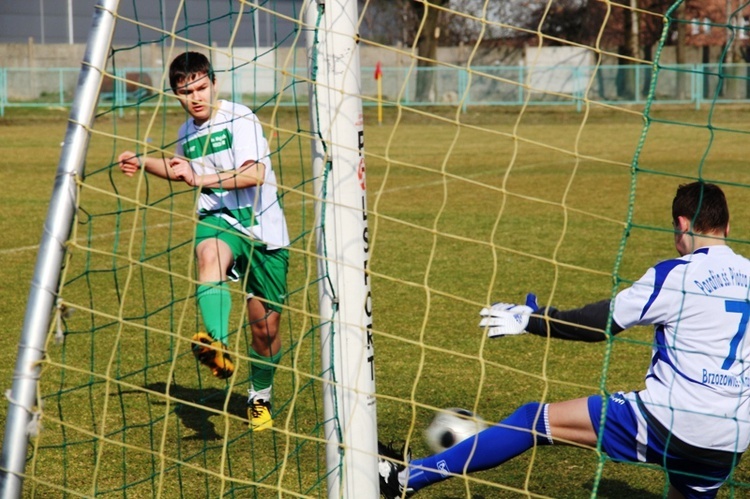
(241,232)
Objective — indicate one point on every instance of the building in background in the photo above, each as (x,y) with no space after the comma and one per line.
(707,20)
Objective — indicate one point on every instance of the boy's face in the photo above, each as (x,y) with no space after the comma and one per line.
(196,94)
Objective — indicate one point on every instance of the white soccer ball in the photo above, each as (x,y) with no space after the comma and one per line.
(452,426)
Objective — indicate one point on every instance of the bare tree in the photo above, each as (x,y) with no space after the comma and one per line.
(679,16)
(629,26)
(479,21)
(411,23)
(519,19)
(428,33)
(390,23)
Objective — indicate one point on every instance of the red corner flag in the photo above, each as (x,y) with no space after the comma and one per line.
(378,71)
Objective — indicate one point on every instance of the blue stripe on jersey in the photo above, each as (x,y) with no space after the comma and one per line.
(662,355)
(662,271)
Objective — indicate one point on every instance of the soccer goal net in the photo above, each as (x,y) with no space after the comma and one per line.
(521,157)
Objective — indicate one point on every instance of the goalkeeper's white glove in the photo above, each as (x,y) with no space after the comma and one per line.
(506,319)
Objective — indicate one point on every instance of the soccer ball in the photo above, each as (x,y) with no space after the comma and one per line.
(452,426)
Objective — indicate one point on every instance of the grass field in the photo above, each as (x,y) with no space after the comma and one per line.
(464,210)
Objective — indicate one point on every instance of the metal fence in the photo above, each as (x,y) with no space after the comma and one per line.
(692,84)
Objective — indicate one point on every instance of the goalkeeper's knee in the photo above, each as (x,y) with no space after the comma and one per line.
(537,419)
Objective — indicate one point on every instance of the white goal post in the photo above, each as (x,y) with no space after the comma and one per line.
(343,249)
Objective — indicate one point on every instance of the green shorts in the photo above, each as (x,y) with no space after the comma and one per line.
(266,270)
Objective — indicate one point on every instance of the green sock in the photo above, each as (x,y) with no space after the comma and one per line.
(262,372)
(215,304)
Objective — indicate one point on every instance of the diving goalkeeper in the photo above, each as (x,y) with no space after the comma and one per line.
(691,417)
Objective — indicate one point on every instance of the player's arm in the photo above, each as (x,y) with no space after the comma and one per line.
(251,173)
(587,323)
(130,163)
(581,324)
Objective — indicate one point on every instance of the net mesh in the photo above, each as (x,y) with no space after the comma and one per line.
(527,159)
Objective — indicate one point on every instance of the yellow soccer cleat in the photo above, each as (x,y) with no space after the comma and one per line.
(213,354)
(259,415)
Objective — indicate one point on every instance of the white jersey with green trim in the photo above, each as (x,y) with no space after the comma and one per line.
(698,383)
(231,137)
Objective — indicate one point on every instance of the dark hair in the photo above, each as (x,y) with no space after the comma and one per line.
(186,65)
(704,205)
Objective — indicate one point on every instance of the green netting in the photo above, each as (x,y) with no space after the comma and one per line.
(706,135)
(466,207)
(128,411)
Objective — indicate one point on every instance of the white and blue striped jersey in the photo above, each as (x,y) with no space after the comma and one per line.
(698,383)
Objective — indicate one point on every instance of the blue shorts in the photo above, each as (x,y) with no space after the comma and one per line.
(631,434)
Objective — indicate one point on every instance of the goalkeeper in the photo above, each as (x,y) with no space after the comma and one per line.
(241,230)
(692,415)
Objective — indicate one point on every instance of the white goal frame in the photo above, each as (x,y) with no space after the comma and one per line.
(343,249)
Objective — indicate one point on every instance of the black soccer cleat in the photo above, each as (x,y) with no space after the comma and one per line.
(390,464)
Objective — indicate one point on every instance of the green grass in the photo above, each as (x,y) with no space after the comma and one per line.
(465,209)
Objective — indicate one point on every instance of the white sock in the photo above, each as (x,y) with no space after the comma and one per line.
(264,394)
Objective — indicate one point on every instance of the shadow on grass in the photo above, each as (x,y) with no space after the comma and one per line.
(617,489)
(198,419)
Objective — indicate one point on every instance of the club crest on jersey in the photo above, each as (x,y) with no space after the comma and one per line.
(219,142)
(206,145)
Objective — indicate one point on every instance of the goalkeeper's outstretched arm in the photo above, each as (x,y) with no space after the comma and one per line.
(587,323)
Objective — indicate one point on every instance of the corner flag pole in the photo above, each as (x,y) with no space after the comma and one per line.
(379,80)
